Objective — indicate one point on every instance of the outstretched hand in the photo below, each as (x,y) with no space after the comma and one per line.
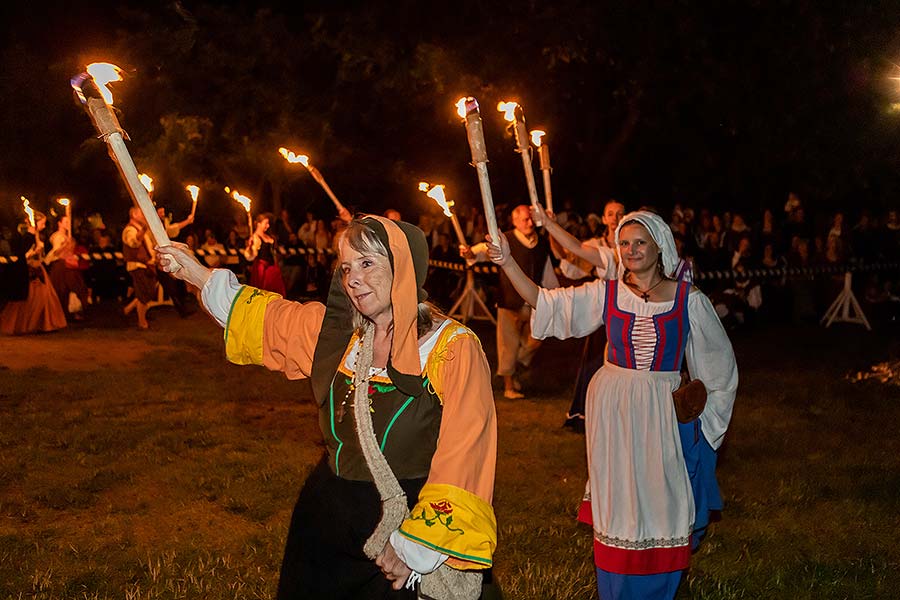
(178,260)
(498,254)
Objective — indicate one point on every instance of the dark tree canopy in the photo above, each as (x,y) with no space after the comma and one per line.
(716,104)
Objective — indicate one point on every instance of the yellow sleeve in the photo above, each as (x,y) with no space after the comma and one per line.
(264,329)
(453,513)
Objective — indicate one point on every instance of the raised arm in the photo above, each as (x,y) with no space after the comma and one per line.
(571,244)
(261,328)
(523,284)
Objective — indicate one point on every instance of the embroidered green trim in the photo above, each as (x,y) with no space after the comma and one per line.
(394,418)
(337,453)
(231,310)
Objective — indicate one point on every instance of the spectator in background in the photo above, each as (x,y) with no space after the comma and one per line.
(444,282)
(837,226)
(767,233)
(293,264)
(214,251)
(283,227)
(307,232)
(863,239)
(736,233)
(890,236)
(796,225)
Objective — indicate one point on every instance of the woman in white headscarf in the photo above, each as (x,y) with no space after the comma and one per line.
(652,478)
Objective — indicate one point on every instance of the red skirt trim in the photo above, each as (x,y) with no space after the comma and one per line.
(641,562)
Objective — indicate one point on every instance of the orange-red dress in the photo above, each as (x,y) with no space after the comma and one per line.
(40,311)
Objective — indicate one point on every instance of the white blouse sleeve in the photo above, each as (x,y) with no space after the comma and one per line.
(710,359)
(609,269)
(219,293)
(571,270)
(416,556)
(569,312)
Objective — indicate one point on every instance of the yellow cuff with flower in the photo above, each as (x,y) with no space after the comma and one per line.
(244,328)
(454,522)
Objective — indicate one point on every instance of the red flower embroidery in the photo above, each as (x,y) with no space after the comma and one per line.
(442,507)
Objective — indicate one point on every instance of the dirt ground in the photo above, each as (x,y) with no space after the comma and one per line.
(105,339)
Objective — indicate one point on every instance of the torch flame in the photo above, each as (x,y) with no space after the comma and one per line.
(536,136)
(104,73)
(423,186)
(28,210)
(437,194)
(508,109)
(147,181)
(294,158)
(63,201)
(461,107)
(242,199)
(194,191)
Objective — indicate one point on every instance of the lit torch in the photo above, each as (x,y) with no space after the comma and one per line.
(243,201)
(304,160)
(29,212)
(91,91)
(68,204)
(467,109)
(194,191)
(546,169)
(436,193)
(513,113)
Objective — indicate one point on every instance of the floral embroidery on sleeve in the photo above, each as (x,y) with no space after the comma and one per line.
(443,514)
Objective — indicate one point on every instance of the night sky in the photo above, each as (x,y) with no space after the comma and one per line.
(709,104)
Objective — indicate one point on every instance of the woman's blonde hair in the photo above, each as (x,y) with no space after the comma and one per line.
(364,240)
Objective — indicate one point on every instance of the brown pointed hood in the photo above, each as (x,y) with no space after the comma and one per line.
(408,255)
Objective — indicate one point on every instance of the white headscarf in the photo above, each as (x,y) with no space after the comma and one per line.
(661,234)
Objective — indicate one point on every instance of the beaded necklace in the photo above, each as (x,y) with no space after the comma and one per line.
(352,388)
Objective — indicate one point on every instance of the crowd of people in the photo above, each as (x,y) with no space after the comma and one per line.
(295,258)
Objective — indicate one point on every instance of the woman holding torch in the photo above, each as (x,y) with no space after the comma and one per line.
(41,310)
(651,468)
(405,408)
(262,253)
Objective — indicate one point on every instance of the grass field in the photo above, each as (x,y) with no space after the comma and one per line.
(142,465)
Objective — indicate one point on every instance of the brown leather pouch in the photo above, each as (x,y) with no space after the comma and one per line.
(690,400)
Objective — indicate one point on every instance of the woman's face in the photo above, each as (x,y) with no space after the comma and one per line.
(367,282)
(612,214)
(639,252)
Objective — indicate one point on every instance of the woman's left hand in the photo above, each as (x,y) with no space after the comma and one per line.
(393,568)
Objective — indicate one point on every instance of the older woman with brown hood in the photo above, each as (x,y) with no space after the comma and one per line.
(401,502)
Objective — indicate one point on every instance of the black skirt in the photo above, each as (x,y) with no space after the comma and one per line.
(323,556)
